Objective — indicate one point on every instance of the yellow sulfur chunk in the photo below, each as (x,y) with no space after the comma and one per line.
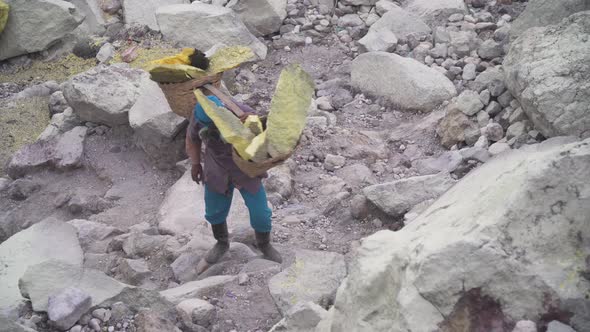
(230,127)
(174,73)
(257,150)
(183,58)
(3,14)
(229,58)
(254,124)
(288,110)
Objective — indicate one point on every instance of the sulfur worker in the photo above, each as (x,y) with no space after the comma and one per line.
(221,176)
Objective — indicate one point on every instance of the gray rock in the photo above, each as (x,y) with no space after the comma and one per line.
(452,128)
(38,90)
(4,182)
(359,2)
(133,271)
(261,17)
(403,24)
(379,40)
(469,72)
(210,25)
(441,36)
(493,132)
(197,288)
(439,51)
(280,181)
(505,99)
(356,176)
(60,123)
(483,118)
(497,88)
(398,197)
(184,267)
(104,94)
(476,153)
(303,317)
(517,115)
(493,109)
(350,21)
(468,102)
(106,53)
(447,162)
(94,236)
(557,326)
(436,13)
(67,306)
(556,103)
(57,103)
(42,280)
(383,6)
(21,189)
(69,149)
(428,255)
(463,42)
(142,245)
(23,23)
(101,313)
(33,246)
(517,129)
(542,13)
(156,128)
(94,324)
(150,320)
(498,148)
(314,276)
(490,49)
(197,311)
(141,12)
(402,81)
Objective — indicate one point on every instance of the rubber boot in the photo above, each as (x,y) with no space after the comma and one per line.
(268,251)
(220,234)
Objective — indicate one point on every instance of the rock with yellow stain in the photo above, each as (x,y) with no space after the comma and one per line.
(313,277)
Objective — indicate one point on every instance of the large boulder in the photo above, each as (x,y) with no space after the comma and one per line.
(94,20)
(158,130)
(48,240)
(541,13)
(398,197)
(436,13)
(183,209)
(313,277)
(142,12)
(547,71)
(22,35)
(511,241)
(41,281)
(261,17)
(209,25)
(404,82)
(104,94)
(402,23)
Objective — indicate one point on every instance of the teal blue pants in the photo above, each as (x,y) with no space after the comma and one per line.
(217,208)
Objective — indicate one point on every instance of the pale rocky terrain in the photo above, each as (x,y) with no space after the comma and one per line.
(442,182)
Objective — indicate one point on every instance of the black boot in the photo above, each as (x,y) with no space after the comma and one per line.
(268,251)
(220,234)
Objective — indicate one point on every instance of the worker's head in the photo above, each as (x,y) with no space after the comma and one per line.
(199,60)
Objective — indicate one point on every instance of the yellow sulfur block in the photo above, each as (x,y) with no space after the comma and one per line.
(230,127)
(167,73)
(229,58)
(288,110)
(257,150)
(3,14)
(254,124)
(183,58)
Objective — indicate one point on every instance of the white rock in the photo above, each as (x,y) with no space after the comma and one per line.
(47,240)
(436,13)
(525,326)
(557,326)
(469,103)
(402,81)
(383,6)
(303,317)
(379,40)
(106,53)
(261,17)
(197,311)
(498,148)
(67,306)
(541,13)
(402,24)
(459,244)
(469,72)
(69,148)
(333,162)
(209,24)
(141,12)
(314,276)
(195,289)
(398,197)
(93,235)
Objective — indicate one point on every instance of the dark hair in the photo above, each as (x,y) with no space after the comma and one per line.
(199,60)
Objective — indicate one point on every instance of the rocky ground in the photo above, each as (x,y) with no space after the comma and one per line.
(101,226)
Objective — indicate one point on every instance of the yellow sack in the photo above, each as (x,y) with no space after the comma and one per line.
(3,14)
(288,110)
(183,58)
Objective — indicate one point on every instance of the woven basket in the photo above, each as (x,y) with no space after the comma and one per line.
(181,96)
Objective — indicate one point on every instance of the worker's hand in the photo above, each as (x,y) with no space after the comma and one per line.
(197,173)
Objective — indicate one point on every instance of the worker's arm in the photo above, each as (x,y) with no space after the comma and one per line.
(193,150)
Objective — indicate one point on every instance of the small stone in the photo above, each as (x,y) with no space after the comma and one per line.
(525,326)
(516,129)
(517,115)
(377,223)
(111,329)
(494,132)
(103,314)
(505,99)
(469,103)
(556,326)
(498,147)
(482,143)
(308,41)
(243,279)
(493,109)
(106,53)
(67,306)
(497,88)
(76,328)
(536,135)
(333,162)
(94,324)
(469,72)
(485,97)
(483,118)
(490,49)
(456,17)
